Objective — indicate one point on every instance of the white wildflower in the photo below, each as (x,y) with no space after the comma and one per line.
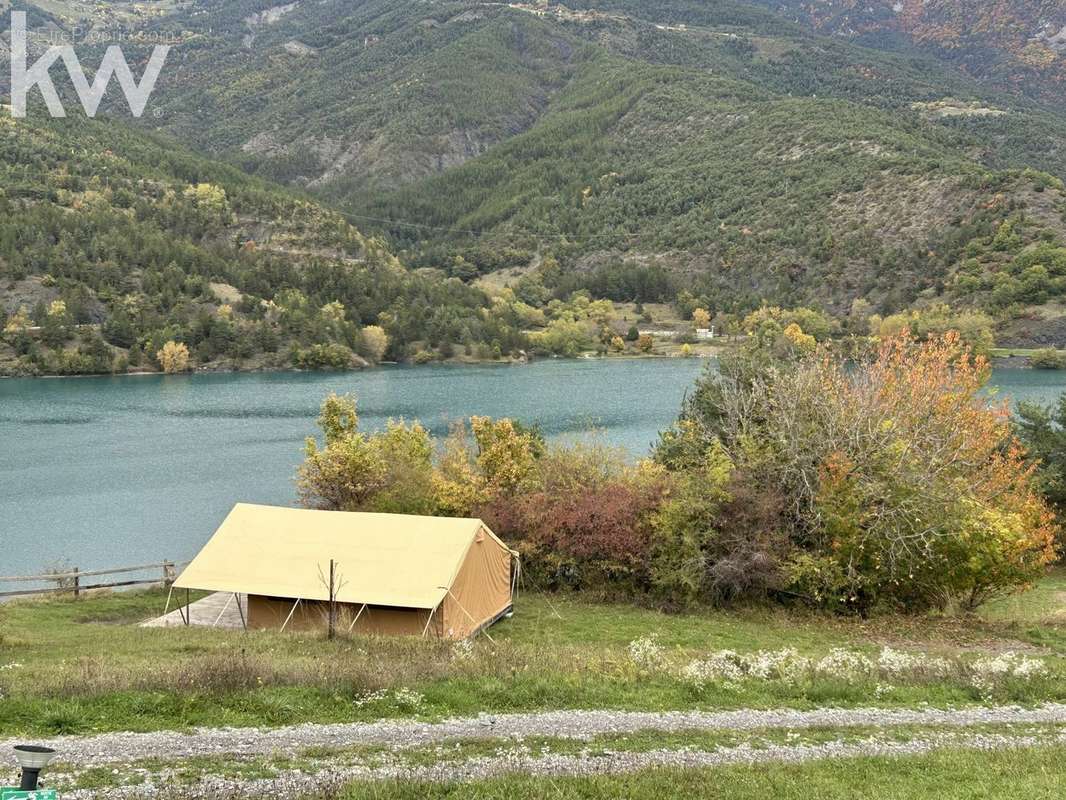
(1029,668)
(463,650)
(408,699)
(725,667)
(897,664)
(647,653)
(729,668)
(989,672)
(403,698)
(994,666)
(371,697)
(841,663)
(786,665)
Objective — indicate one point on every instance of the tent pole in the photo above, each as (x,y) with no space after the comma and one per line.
(225,608)
(170,594)
(188,611)
(456,599)
(361,610)
(425,630)
(240,610)
(290,615)
(332,628)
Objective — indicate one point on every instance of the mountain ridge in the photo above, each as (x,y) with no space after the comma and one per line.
(715,148)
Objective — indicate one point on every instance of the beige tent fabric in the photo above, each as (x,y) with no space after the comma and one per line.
(405,570)
(383,559)
(482,589)
(270,613)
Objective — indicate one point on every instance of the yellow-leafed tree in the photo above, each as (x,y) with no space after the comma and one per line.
(375,342)
(173,357)
(19,321)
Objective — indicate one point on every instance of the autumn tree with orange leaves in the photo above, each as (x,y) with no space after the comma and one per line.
(903,486)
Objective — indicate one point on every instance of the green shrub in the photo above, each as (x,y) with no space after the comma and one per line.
(322,356)
(1048,358)
(889,482)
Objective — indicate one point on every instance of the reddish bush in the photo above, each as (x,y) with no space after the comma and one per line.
(601,525)
(581,537)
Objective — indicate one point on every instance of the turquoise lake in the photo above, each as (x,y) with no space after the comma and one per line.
(102,472)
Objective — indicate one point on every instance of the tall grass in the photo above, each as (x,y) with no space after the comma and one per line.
(80,666)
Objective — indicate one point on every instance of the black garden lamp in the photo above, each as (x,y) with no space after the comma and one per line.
(32,758)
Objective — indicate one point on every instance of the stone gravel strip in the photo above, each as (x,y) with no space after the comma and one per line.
(294,784)
(123,748)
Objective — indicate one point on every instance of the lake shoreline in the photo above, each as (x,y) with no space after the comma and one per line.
(226,370)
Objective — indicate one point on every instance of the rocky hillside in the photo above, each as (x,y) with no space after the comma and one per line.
(1019,43)
(350,99)
(723,144)
(736,151)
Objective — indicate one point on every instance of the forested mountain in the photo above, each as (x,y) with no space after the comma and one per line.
(723,146)
(113,243)
(736,152)
(367,95)
(1018,43)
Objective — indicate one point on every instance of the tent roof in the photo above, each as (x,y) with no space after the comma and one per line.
(382,559)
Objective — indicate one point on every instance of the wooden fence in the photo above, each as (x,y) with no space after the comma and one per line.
(73,581)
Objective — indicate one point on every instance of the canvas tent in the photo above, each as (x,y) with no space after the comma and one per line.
(394,574)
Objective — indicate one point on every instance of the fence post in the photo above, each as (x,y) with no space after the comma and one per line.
(332,604)
(70,579)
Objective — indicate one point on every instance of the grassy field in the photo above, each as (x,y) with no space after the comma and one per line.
(83,666)
(1033,774)
(845,748)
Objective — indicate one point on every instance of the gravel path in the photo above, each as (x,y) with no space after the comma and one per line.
(294,785)
(123,748)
